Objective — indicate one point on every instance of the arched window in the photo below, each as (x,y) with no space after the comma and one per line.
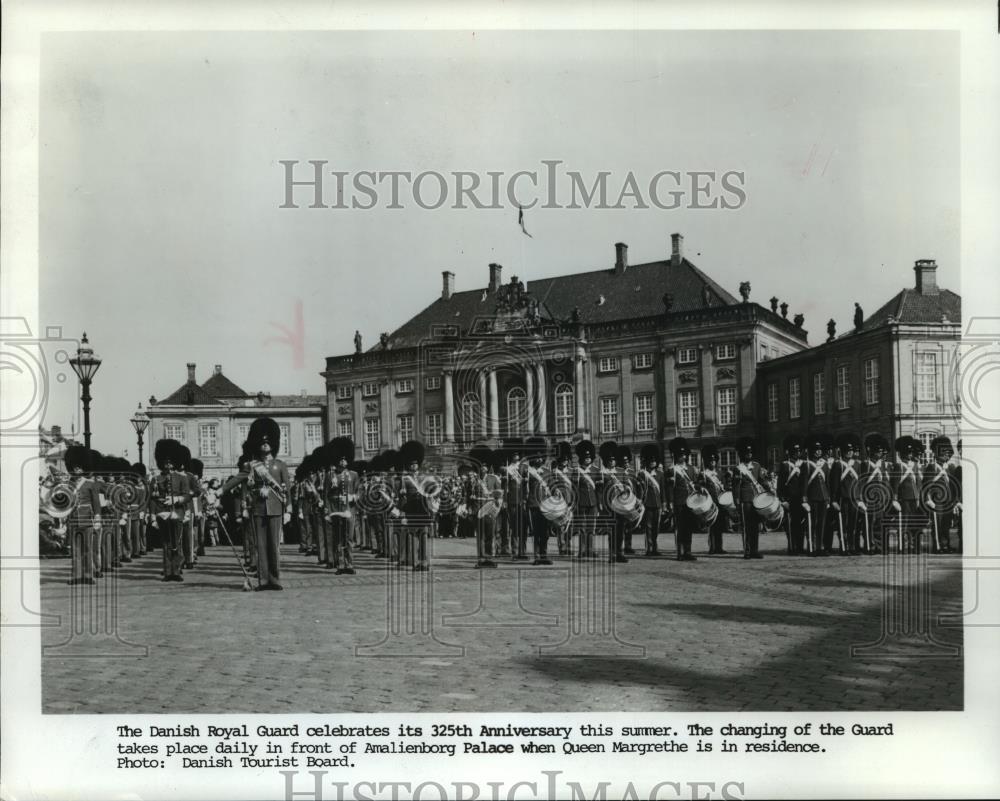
(517,412)
(565,424)
(471,417)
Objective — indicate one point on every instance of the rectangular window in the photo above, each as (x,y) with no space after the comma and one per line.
(432,382)
(345,392)
(373,434)
(404,386)
(176,431)
(927,377)
(607,364)
(725,403)
(314,436)
(728,458)
(369,389)
(871,381)
(727,351)
(609,415)
(345,428)
(772,403)
(405,427)
(843,387)
(819,393)
(642,361)
(687,355)
(435,428)
(644,413)
(794,398)
(565,418)
(208,439)
(687,402)
(286,439)
(242,432)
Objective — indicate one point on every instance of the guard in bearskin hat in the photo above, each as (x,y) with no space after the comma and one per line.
(614,482)
(789,488)
(714,484)
(84,522)
(652,493)
(341,496)
(874,491)
(957,475)
(188,526)
(511,525)
(561,483)
(749,481)
(139,510)
(845,492)
(484,496)
(815,493)
(682,480)
(170,493)
(539,525)
(628,478)
(587,483)
(904,480)
(268,482)
(197,469)
(417,505)
(941,492)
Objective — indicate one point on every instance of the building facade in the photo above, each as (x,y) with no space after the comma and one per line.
(212,419)
(891,375)
(631,353)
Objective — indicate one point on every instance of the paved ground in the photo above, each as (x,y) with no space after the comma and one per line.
(721,633)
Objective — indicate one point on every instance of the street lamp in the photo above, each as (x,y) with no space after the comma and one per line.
(85,365)
(140,421)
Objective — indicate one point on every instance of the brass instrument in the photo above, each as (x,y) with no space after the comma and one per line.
(58,499)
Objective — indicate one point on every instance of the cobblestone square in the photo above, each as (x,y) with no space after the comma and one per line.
(722,633)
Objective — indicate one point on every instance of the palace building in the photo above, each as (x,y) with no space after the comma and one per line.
(892,374)
(635,353)
(212,419)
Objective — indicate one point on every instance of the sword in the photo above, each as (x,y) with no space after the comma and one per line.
(937,537)
(246,576)
(809,523)
(840,528)
(743,515)
(868,533)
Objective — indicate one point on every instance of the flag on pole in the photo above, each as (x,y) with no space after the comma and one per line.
(520,221)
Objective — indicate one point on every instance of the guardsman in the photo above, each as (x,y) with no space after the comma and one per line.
(683,482)
(789,489)
(844,491)
(535,449)
(84,520)
(874,491)
(628,477)
(341,499)
(958,506)
(484,498)
(415,505)
(514,484)
(562,483)
(138,511)
(611,488)
(170,494)
(749,480)
(586,477)
(197,470)
(268,481)
(904,479)
(187,528)
(651,491)
(715,485)
(941,492)
(305,503)
(360,466)
(815,493)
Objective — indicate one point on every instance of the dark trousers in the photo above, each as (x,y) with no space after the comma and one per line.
(686,524)
(815,522)
(650,526)
(503,538)
(716,530)
(539,532)
(485,534)
(585,521)
(616,546)
(870,524)
(751,528)
(517,522)
(848,522)
(343,540)
(911,521)
(268,556)
(82,545)
(796,529)
(172,531)
(941,529)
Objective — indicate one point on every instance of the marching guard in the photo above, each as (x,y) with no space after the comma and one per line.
(749,481)
(83,523)
(815,494)
(484,504)
(683,483)
(874,491)
(562,484)
(341,496)
(587,481)
(941,492)
(169,495)
(613,485)
(716,488)
(416,511)
(789,489)
(537,492)
(514,483)
(844,492)
(905,479)
(651,493)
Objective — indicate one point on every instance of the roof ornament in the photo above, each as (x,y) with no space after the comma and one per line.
(745,291)
(599,301)
(668,302)
(706,296)
(784,311)
(859,316)
(831,330)
(799,320)
(357,342)
(774,304)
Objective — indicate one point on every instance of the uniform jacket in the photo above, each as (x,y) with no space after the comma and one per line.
(943,477)
(649,486)
(266,501)
(170,493)
(816,480)
(715,483)
(587,482)
(904,479)
(683,480)
(341,490)
(536,489)
(514,485)
(844,477)
(745,489)
(789,483)
(88,504)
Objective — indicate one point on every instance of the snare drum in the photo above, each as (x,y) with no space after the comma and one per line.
(726,500)
(703,507)
(769,509)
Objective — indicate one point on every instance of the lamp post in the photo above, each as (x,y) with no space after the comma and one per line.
(85,365)
(140,421)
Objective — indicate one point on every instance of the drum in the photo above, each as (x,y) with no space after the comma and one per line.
(627,505)
(702,507)
(726,500)
(554,508)
(769,509)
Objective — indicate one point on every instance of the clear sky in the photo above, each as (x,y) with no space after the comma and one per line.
(161,233)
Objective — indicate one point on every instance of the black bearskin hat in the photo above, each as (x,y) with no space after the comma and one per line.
(624,454)
(584,450)
(608,451)
(261,429)
(391,461)
(651,453)
(875,442)
(512,446)
(481,455)
(941,442)
(906,444)
(339,449)
(139,469)
(745,445)
(678,446)
(791,442)
(76,456)
(410,452)
(564,451)
(166,451)
(535,448)
(815,440)
(197,467)
(848,442)
(708,453)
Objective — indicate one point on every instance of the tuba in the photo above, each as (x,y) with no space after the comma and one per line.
(57,500)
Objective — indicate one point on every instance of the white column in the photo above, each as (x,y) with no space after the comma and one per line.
(542,416)
(494,405)
(578,392)
(482,404)
(449,409)
(529,387)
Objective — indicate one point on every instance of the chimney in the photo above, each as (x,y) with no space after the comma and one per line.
(621,257)
(447,284)
(926,270)
(676,249)
(218,369)
(495,270)
(191,372)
